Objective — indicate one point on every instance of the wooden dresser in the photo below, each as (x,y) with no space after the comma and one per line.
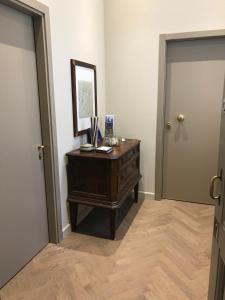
(104,180)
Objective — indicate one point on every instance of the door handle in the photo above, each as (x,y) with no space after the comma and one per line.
(180,118)
(40,151)
(212,187)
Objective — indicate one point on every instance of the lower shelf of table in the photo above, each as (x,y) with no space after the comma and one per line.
(97,222)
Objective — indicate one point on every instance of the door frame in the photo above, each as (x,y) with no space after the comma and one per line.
(164,40)
(40,15)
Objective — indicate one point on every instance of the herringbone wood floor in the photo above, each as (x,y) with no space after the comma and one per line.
(164,254)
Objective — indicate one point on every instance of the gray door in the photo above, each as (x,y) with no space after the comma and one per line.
(194,90)
(217,272)
(23,216)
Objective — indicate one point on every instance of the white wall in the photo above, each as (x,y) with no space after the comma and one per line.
(77,30)
(132,29)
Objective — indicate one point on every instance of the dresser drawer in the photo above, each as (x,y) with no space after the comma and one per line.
(128,174)
(133,153)
(101,179)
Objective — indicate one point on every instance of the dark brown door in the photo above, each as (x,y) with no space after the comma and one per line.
(217,272)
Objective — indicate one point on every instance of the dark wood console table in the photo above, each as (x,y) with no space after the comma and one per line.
(103,180)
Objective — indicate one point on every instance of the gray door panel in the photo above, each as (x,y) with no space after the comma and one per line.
(23,217)
(195,75)
(217,271)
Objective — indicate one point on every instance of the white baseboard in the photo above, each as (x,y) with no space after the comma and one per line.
(66,231)
(146,195)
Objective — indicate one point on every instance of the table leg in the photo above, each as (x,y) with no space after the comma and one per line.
(113,223)
(73,215)
(136,189)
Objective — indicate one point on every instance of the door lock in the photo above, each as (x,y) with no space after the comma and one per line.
(40,151)
(168,125)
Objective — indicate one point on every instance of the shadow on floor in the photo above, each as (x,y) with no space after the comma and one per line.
(95,229)
(97,222)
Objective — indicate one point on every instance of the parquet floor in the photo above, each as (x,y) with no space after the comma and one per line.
(162,252)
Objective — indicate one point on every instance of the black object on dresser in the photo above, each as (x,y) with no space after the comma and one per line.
(103,180)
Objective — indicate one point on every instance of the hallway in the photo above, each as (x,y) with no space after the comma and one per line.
(164,254)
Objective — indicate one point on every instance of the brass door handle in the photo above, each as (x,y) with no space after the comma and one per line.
(212,187)
(180,118)
(41,147)
(40,151)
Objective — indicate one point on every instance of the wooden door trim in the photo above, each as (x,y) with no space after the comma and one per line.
(40,14)
(164,39)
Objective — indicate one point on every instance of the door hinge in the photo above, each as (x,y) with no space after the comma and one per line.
(216,230)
